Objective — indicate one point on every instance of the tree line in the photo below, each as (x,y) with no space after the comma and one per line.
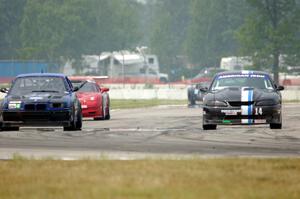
(207,30)
(55,29)
(198,32)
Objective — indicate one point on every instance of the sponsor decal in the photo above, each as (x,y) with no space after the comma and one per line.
(36,98)
(243,74)
(196,91)
(230,112)
(14,105)
(226,121)
(260,121)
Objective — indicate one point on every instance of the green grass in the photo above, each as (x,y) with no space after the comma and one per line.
(145,179)
(128,104)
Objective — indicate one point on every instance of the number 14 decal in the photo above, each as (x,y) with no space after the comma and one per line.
(258,111)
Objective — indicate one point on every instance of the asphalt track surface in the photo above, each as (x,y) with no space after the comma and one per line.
(172,131)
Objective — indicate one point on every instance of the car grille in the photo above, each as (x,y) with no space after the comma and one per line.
(230,117)
(35,107)
(239,103)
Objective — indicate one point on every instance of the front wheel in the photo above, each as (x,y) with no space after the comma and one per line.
(107,117)
(209,127)
(76,124)
(79,120)
(276,126)
(10,128)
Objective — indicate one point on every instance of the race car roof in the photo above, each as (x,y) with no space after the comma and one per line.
(42,75)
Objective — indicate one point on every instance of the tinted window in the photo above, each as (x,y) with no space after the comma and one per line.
(88,87)
(236,80)
(26,85)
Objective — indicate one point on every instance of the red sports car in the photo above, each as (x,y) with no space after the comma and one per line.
(93,98)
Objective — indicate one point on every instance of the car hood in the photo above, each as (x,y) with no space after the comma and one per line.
(37,97)
(235,94)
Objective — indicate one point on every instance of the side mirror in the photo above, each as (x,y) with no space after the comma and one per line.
(104,89)
(4,90)
(75,89)
(280,88)
(203,89)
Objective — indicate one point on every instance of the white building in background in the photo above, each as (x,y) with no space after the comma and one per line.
(123,64)
(235,63)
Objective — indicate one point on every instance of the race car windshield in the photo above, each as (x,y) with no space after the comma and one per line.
(25,85)
(88,87)
(252,81)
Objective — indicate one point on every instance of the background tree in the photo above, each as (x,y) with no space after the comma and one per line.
(11,13)
(271,30)
(211,30)
(70,28)
(169,33)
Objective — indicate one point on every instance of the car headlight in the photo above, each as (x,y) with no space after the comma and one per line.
(57,105)
(216,103)
(267,103)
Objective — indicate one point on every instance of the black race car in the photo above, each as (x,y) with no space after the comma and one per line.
(242,97)
(43,99)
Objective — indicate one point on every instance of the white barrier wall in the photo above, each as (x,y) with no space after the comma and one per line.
(178,94)
(291,93)
(175,92)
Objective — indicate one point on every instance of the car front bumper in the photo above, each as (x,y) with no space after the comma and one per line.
(36,118)
(234,116)
(92,112)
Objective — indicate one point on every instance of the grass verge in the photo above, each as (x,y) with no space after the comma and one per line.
(128,104)
(188,179)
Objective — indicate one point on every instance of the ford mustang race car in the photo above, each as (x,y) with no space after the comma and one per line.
(43,99)
(242,97)
(94,99)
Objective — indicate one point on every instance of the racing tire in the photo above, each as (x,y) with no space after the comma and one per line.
(193,102)
(101,117)
(79,121)
(209,127)
(107,117)
(276,126)
(76,124)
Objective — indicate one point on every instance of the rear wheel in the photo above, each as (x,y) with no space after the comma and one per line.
(209,127)
(276,126)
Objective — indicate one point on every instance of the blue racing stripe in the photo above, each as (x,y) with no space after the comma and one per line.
(250,97)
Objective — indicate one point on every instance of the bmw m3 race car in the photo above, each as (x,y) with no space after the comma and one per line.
(242,97)
(94,99)
(42,99)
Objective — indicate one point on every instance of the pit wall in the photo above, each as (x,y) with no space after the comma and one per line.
(171,92)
